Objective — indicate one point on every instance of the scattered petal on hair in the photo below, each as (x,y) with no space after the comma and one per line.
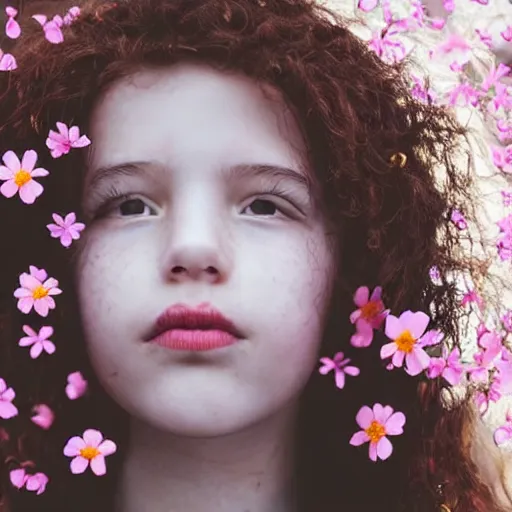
(458,219)
(61,142)
(7,62)
(38,342)
(472,297)
(377,423)
(367,5)
(52,28)
(67,229)
(448,366)
(340,365)
(76,387)
(12,27)
(504,433)
(19,176)
(7,408)
(502,158)
(507,34)
(34,483)
(43,416)
(406,332)
(36,291)
(91,449)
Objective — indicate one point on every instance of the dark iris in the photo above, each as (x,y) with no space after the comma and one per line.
(132,207)
(263,207)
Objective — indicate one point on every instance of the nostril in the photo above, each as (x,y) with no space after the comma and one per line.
(211,270)
(179,270)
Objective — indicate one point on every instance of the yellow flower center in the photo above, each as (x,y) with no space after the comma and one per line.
(375,431)
(405,342)
(371,310)
(40,292)
(89,452)
(22,177)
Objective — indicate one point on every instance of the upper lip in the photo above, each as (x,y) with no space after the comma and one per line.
(204,316)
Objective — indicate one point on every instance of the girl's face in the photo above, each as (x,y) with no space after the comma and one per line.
(198,222)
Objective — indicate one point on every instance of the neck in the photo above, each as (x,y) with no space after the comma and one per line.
(251,470)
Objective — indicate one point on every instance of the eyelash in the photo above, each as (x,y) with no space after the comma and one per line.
(113,196)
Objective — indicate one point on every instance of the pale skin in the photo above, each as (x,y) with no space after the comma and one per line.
(209,431)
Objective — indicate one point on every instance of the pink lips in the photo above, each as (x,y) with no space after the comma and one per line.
(203,328)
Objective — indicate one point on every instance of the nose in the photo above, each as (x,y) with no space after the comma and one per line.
(197,248)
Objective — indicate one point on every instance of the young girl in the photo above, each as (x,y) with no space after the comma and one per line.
(200,199)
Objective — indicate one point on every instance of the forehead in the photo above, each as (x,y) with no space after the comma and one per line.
(193,110)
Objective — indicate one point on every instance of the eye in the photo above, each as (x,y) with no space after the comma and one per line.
(134,206)
(263,207)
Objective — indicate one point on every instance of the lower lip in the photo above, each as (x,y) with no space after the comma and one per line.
(194,340)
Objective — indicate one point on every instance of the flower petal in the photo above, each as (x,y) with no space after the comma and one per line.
(79,465)
(107,447)
(93,437)
(359,438)
(384,448)
(73,446)
(98,465)
(394,425)
(364,417)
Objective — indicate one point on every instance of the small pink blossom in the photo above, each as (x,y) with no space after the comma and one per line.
(12,27)
(494,76)
(72,14)
(435,275)
(485,37)
(7,408)
(388,49)
(502,158)
(376,424)
(472,297)
(61,142)
(43,416)
(370,315)
(35,483)
(19,176)
(38,342)
(340,366)
(36,291)
(449,5)
(420,92)
(507,34)
(507,320)
(463,95)
(89,449)
(7,62)
(67,229)
(458,219)
(507,197)
(406,332)
(455,49)
(52,28)
(448,366)
(76,387)
(504,433)
(367,5)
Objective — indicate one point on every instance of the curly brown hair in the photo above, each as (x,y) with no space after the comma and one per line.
(390,224)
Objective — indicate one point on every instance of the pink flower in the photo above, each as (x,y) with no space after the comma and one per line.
(67,229)
(455,48)
(36,482)
(388,49)
(494,76)
(406,332)
(472,297)
(507,197)
(71,15)
(376,424)
(12,27)
(7,62)
(367,5)
(448,366)
(52,28)
(463,95)
(43,416)
(76,387)
(19,176)
(369,315)
(61,143)
(502,158)
(507,320)
(504,433)
(507,34)
(339,365)
(36,291)
(7,408)
(38,341)
(484,36)
(449,5)
(420,92)
(458,219)
(91,449)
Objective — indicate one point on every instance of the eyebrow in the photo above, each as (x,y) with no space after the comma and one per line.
(230,174)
